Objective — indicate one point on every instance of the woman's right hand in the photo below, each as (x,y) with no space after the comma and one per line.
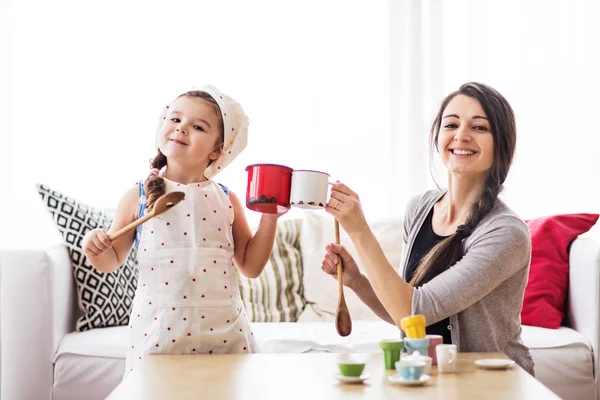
(351,275)
(96,242)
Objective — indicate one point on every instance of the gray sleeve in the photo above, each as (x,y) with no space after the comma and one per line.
(494,253)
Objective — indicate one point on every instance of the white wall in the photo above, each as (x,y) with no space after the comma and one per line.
(90,78)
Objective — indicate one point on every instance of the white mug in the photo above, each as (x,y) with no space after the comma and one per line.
(446,357)
(309,189)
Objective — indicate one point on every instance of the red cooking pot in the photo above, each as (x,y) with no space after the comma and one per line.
(268,188)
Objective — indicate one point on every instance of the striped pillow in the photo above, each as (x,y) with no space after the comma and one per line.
(277,295)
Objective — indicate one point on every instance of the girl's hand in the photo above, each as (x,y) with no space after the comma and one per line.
(96,242)
(351,275)
(345,206)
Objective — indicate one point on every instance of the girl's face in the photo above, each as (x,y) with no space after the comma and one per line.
(465,140)
(190,133)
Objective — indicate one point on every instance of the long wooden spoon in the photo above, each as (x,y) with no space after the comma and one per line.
(164,202)
(343,323)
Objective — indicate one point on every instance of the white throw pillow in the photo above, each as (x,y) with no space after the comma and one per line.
(320,290)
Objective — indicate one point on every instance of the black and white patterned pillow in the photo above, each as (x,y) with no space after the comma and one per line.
(105,299)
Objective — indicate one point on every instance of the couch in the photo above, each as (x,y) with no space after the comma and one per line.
(43,357)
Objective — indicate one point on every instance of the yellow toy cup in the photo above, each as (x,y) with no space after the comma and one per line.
(414,326)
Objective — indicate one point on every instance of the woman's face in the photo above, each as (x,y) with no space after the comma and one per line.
(465,140)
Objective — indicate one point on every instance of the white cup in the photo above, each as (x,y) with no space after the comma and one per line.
(309,189)
(446,357)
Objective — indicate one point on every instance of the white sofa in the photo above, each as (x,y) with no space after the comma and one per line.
(43,358)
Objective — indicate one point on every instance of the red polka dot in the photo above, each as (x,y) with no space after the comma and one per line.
(210,352)
(240,330)
(219,229)
(184,297)
(184,233)
(151,231)
(162,244)
(204,270)
(171,261)
(138,315)
(215,211)
(232,129)
(224,341)
(139,358)
(203,317)
(203,219)
(225,287)
(167,283)
(145,334)
(132,347)
(188,215)
(221,246)
(156,345)
(225,114)
(150,303)
(145,249)
(193,279)
(211,329)
(227,321)
(224,272)
(152,269)
(214,261)
(168,223)
(173,308)
(205,195)
(202,296)
(184,318)
(173,340)
(193,349)
(189,334)
(169,328)
(144,284)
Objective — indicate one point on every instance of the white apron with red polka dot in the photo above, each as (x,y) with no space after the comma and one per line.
(187,300)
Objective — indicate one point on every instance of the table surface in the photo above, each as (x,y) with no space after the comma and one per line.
(313,376)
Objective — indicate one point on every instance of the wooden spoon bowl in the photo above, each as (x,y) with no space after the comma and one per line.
(164,203)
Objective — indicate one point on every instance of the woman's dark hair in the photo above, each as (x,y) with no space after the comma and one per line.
(155,185)
(504,132)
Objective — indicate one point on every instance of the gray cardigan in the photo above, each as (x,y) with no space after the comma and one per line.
(483,292)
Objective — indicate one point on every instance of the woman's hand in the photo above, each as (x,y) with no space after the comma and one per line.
(351,275)
(345,206)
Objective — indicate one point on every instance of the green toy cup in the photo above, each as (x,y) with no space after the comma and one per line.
(391,352)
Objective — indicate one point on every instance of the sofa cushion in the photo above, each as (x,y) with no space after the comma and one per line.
(546,291)
(320,290)
(277,295)
(105,299)
(90,364)
(562,356)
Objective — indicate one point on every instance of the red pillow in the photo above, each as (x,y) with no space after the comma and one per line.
(546,291)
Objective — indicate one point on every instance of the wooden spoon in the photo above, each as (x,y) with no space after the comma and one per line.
(343,323)
(164,202)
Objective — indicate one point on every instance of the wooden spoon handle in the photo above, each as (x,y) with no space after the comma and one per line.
(130,227)
(339,265)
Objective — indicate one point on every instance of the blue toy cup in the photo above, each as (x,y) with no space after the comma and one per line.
(410,369)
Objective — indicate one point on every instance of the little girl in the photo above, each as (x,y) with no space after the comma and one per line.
(187,300)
